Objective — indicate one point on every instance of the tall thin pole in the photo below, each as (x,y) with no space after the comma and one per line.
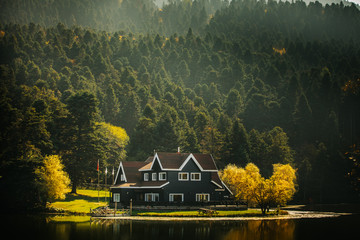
(105,181)
(98,187)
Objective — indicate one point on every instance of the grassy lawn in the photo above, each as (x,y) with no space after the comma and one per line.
(69,218)
(82,201)
(86,199)
(241,213)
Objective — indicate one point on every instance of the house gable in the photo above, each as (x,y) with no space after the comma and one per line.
(192,157)
(130,172)
(120,171)
(191,165)
(156,164)
(177,161)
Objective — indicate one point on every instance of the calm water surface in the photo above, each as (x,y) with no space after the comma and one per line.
(40,227)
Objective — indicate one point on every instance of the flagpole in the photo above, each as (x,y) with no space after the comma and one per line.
(105,181)
(98,181)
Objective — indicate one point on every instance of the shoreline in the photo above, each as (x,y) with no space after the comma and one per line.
(291,215)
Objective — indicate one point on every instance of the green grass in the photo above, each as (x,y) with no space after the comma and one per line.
(170,214)
(81,202)
(69,218)
(242,213)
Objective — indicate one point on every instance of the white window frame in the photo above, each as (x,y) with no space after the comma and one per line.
(171,196)
(122,177)
(194,174)
(153,197)
(154,177)
(199,196)
(181,174)
(162,176)
(146,177)
(116,197)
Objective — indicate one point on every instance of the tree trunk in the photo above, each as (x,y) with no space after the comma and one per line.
(74,186)
(263,210)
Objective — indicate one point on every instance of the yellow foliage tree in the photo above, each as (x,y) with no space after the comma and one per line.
(116,139)
(53,180)
(248,185)
(282,184)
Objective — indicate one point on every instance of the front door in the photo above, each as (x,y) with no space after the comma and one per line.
(176,197)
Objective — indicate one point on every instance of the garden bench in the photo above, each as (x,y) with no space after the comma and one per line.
(208,212)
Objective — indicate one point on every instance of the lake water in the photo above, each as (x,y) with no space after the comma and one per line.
(49,228)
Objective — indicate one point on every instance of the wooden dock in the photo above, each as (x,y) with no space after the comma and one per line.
(108,212)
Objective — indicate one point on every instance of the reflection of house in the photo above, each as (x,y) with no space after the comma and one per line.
(169,177)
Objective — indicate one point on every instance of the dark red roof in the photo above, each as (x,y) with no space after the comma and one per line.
(172,160)
(167,161)
(150,184)
(206,161)
(175,160)
(131,170)
(216,179)
(149,159)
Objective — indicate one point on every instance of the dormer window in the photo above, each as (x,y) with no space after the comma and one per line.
(146,176)
(154,176)
(122,177)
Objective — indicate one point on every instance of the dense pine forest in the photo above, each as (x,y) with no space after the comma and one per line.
(247,81)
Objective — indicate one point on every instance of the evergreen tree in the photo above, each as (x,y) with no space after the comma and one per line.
(234,103)
(82,146)
(238,145)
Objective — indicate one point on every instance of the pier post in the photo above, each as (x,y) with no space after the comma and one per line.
(115,208)
(130,206)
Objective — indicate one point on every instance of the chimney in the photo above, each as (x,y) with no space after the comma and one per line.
(178,150)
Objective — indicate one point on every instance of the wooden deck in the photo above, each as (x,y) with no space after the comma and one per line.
(108,212)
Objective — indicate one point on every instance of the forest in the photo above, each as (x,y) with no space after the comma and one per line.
(264,82)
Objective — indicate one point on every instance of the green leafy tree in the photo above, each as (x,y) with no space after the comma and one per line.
(114,142)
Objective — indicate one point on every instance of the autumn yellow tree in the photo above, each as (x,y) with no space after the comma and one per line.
(116,140)
(53,180)
(248,185)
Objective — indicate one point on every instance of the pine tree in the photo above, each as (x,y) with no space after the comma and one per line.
(82,149)
(238,145)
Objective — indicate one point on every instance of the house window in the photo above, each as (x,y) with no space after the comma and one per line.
(183,176)
(202,197)
(116,197)
(162,176)
(122,177)
(176,197)
(146,176)
(151,197)
(195,176)
(154,176)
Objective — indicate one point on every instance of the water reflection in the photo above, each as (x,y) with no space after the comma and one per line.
(274,229)
(271,229)
(40,227)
